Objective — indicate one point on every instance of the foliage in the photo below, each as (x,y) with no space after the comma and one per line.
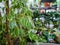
(20,23)
(49,18)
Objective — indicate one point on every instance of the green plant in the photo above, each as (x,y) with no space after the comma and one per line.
(16,25)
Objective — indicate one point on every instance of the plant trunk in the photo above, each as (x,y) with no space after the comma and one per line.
(7,28)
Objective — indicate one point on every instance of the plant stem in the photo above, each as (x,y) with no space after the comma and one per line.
(7,28)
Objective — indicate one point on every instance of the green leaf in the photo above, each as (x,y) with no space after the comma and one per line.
(12,24)
(21,32)
(16,32)
(33,36)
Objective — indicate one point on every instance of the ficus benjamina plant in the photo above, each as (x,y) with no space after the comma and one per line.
(15,23)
